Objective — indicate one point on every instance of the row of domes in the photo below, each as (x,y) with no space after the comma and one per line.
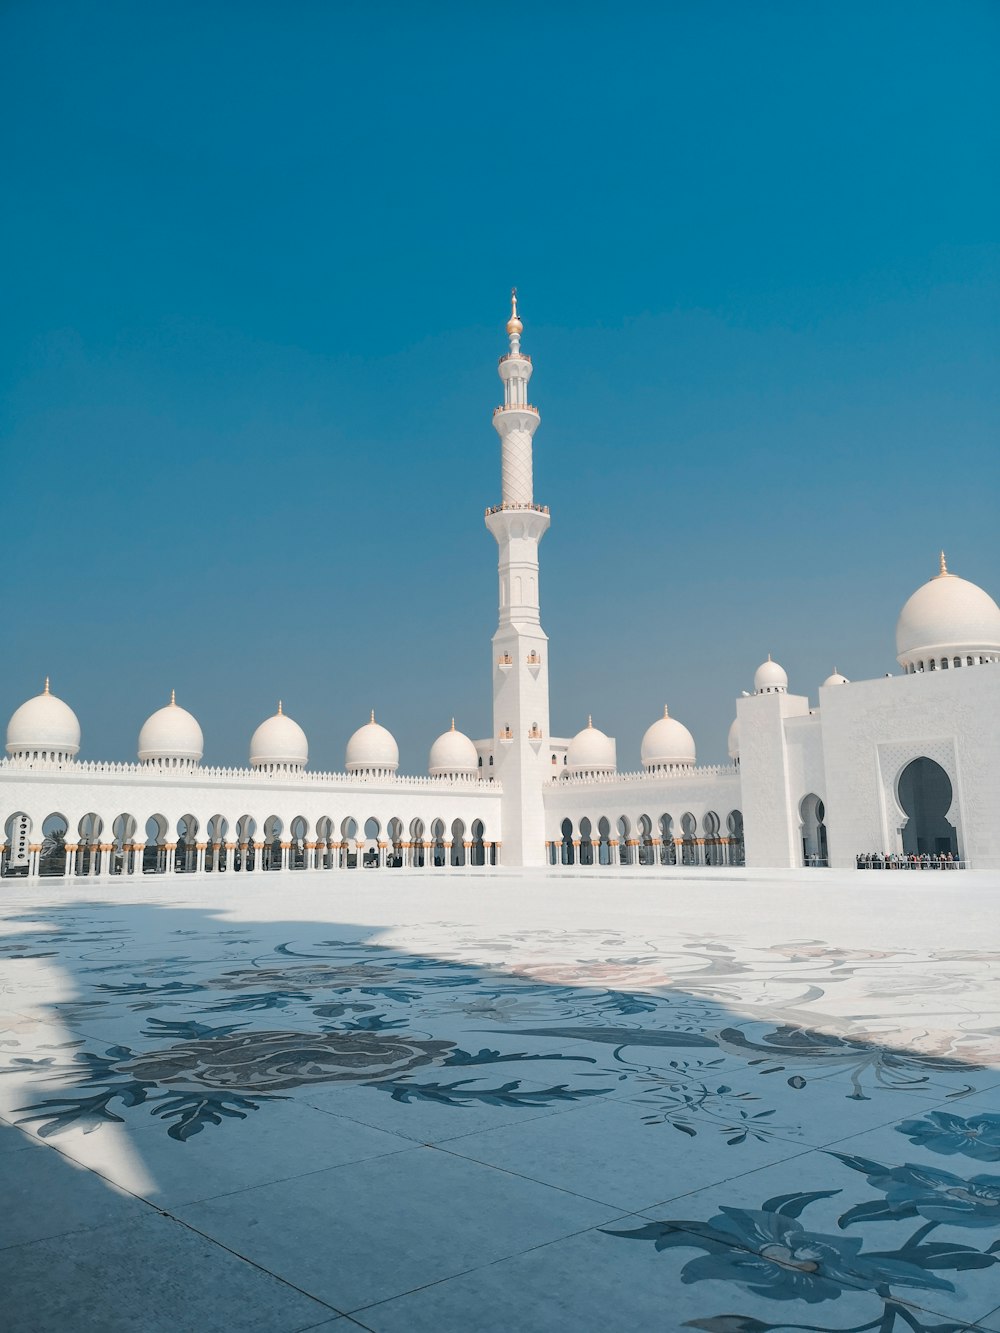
(946,618)
(47,728)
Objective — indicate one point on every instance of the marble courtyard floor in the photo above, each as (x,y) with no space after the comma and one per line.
(539,1103)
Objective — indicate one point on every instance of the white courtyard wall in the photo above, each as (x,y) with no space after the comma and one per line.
(768,771)
(872,729)
(115,789)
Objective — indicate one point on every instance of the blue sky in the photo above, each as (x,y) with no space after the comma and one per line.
(255,270)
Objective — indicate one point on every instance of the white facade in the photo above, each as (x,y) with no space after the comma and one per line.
(907,765)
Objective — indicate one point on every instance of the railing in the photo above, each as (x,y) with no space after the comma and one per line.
(514,356)
(523,407)
(511,504)
(904,863)
(242,776)
(677,774)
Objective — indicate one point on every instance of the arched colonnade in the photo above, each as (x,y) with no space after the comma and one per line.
(53,844)
(649,840)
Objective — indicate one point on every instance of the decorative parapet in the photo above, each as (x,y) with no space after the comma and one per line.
(517,407)
(677,774)
(242,776)
(511,504)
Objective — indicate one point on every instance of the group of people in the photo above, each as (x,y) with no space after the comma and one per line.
(908,861)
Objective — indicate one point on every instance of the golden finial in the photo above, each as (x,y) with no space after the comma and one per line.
(46,690)
(666,711)
(944,566)
(590,720)
(280,713)
(453,724)
(514,325)
(173,698)
(769,657)
(372,718)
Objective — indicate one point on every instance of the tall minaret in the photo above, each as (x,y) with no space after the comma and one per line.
(520,646)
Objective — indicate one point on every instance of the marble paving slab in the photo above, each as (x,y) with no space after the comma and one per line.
(546,1102)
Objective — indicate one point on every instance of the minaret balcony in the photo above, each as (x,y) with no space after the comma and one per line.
(530,408)
(506,736)
(514,356)
(504,508)
(505,662)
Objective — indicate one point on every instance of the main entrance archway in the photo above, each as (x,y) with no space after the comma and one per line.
(924,791)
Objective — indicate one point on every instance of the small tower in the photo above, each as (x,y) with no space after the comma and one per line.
(520,645)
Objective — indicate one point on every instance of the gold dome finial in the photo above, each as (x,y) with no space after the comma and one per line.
(590,721)
(666,711)
(280,713)
(944,566)
(372,718)
(46,690)
(173,698)
(453,724)
(514,325)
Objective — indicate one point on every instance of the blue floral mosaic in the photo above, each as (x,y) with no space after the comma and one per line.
(706,1038)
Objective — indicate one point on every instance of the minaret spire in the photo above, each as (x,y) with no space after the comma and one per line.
(515,420)
(520,646)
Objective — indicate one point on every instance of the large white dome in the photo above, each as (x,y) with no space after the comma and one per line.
(591,751)
(45,728)
(947,617)
(452,752)
(667,744)
(171,733)
(770,678)
(372,749)
(279,742)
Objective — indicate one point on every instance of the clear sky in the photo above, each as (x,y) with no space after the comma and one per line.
(256,259)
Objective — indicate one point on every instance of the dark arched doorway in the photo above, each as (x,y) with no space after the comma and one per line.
(924,792)
(813,831)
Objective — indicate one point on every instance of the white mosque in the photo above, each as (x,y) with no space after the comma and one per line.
(908,763)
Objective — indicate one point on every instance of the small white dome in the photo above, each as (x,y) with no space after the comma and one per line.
(667,743)
(372,748)
(452,752)
(946,617)
(171,733)
(733,744)
(770,678)
(44,725)
(279,742)
(836,679)
(591,751)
